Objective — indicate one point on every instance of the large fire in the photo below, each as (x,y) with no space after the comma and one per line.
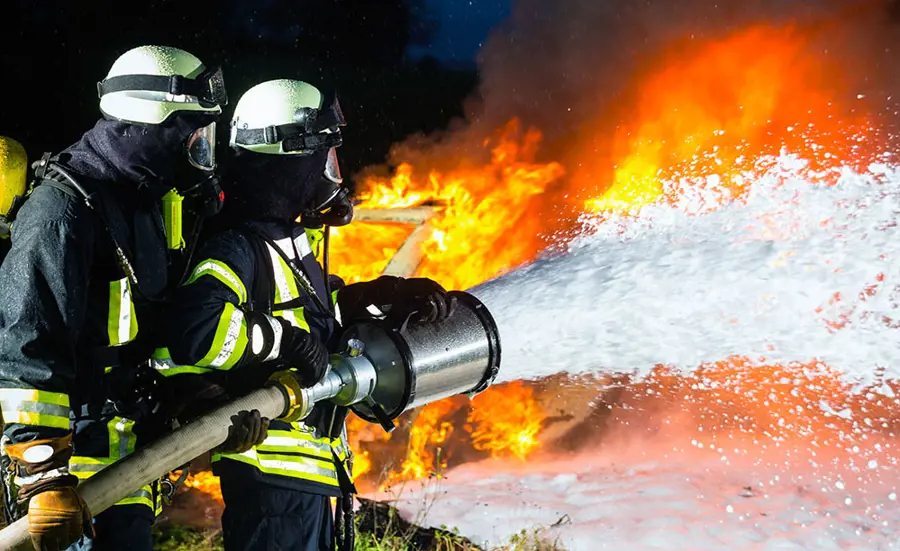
(706,113)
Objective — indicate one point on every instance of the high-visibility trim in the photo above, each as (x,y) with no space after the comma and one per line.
(288,465)
(230,340)
(291,442)
(336,306)
(29,406)
(285,286)
(121,437)
(162,362)
(144,496)
(302,245)
(86,467)
(122,326)
(223,273)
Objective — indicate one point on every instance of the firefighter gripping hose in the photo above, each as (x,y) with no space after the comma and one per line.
(385,371)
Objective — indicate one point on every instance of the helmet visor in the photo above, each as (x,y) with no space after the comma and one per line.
(201,148)
(332,168)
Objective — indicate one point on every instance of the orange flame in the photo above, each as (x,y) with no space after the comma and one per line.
(205,482)
(714,113)
(479,230)
(430,430)
(506,420)
(706,113)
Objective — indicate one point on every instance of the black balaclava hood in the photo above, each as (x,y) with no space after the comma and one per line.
(272,187)
(151,156)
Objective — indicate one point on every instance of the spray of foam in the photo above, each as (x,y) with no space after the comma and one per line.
(776,278)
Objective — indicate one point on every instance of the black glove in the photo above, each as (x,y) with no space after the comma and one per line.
(423,296)
(247,429)
(305,353)
(397,297)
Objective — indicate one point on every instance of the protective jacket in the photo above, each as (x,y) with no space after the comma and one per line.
(73,324)
(246,269)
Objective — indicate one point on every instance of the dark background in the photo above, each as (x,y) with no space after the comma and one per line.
(399,66)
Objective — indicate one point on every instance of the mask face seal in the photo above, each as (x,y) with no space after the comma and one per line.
(201,148)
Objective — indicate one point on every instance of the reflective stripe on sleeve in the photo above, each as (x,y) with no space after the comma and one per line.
(229,342)
(223,273)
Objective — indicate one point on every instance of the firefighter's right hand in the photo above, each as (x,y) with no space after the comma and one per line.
(248,429)
(57,518)
(307,355)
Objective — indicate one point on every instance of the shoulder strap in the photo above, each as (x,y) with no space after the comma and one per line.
(46,174)
(262,295)
(299,277)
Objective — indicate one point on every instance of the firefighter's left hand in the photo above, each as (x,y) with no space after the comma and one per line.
(248,429)
(425,297)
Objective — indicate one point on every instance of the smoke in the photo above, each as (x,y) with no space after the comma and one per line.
(569,67)
(556,64)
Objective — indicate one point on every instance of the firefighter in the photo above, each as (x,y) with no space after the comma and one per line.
(79,288)
(258,303)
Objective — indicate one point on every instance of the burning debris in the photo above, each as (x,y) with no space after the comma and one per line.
(690,121)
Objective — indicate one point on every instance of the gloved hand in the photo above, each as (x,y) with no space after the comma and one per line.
(398,298)
(247,429)
(57,516)
(423,296)
(305,353)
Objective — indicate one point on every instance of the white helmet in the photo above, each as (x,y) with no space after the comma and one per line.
(291,117)
(148,83)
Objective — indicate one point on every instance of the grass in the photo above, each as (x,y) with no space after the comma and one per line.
(179,538)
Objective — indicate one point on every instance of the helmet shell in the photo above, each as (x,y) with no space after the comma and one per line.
(273,103)
(13,172)
(146,106)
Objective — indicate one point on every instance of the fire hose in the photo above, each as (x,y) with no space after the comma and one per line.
(383,372)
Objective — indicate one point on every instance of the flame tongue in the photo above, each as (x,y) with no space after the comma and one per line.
(704,118)
(718,111)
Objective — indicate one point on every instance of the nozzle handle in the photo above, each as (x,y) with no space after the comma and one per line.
(386,423)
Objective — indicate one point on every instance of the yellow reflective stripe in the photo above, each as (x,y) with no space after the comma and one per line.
(223,273)
(162,362)
(29,406)
(144,496)
(121,437)
(285,286)
(278,444)
(296,317)
(86,467)
(122,324)
(334,295)
(290,466)
(229,341)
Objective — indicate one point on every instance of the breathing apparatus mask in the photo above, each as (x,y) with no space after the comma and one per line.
(312,130)
(160,95)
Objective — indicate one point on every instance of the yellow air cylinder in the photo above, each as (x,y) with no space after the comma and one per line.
(13,172)
(171,204)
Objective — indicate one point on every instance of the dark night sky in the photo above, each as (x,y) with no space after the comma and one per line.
(464,25)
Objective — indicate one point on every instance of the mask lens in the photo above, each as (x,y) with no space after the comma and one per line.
(201,148)
(332,168)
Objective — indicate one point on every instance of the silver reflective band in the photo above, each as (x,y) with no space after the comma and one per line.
(201,147)
(278,332)
(256,339)
(55,473)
